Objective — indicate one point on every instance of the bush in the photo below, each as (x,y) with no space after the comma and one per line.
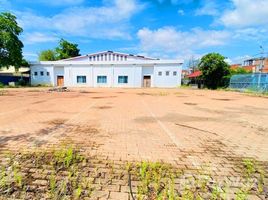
(22,82)
(1,85)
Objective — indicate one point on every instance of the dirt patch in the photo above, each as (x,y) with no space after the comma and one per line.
(190,104)
(144,120)
(176,117)
(56,122)
(223,99)
(87,92)
(37,102)
(103,107)
(104,97)
(85,129)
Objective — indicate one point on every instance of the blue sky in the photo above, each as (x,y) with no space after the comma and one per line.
(177,29)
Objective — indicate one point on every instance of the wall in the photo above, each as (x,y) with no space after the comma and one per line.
(135,75)
(102,71)
(164,80)
(71,73)
(45,80)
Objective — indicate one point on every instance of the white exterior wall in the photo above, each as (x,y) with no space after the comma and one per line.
(135,73)
(71,73)
(164,80)
(45,79)
(102,71)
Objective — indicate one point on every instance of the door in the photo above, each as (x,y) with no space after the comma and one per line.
(147,81)
(60,80)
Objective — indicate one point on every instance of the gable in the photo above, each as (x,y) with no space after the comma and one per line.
(109,56)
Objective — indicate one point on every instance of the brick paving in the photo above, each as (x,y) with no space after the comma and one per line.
(190,129)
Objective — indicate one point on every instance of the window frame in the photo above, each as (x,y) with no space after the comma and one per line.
(35,73)
(160,73)
(101,76)
(175,73)
(41,73)
(124,77)
(48,74)
(84,79)
(167,73)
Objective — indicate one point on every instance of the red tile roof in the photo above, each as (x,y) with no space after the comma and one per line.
(195,74)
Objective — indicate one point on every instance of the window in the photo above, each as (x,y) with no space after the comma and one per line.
(159,73)
(35,73)
(41,73)
(122,79)
(174,73)
(167,73)
(47,73)
(101,79)
(81,79)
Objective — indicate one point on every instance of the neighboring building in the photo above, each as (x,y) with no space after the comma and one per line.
(108,69)
(195,79)
(257,65)
(10,74)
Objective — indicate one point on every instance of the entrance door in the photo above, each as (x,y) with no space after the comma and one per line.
(60,80)
(147,81)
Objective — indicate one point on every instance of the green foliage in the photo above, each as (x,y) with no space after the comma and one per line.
(24,63)
(78,192)
(66,50)
(249,166)
(52,183)
(2,85)
(10,44)
(241,195)
(239,70)
(215,71)
(47,55)
(65,157)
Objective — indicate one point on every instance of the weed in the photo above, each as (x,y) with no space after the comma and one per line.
(17,177)
(242,194)
(52,183)
(78,192)
(249,166)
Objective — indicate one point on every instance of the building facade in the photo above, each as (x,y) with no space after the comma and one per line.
(108,69)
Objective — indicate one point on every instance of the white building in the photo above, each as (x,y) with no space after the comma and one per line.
(108,69)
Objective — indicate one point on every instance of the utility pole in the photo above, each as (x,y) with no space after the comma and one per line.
(261,65)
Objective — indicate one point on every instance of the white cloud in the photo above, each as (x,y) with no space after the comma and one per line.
(169,40)
(181,12)
(246,13)
(239,59)
(36,37)
(108,21)
(208,8)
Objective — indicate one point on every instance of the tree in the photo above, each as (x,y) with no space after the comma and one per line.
(215,70)
(24,63)
(47,55)
(66,50)
(239,70)
(10,45)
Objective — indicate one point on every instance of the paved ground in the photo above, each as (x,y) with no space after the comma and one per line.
(188,128)
(138,124)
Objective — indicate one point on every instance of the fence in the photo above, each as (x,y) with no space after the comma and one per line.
(257,82)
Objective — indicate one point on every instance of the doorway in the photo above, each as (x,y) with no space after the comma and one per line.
(60,80)
(146,81)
